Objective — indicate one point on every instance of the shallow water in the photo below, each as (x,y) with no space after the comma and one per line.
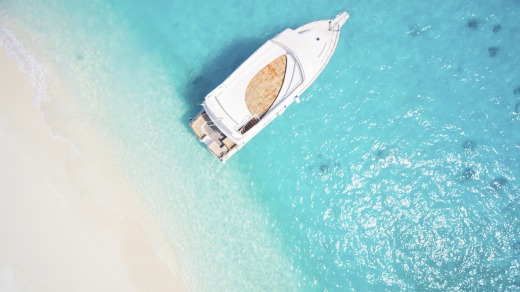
(399,169)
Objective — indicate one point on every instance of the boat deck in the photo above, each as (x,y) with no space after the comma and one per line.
(263,89)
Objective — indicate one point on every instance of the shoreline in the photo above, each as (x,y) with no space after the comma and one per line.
(70,220)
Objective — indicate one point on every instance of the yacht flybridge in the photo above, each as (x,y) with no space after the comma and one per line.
(265,85)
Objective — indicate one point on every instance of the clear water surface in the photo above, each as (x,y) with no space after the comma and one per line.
(398,171)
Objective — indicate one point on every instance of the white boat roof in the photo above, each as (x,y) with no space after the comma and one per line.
(226,105)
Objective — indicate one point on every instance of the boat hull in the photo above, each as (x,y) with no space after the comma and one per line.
(265,85)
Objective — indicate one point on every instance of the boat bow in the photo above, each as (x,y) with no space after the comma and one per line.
(339,21)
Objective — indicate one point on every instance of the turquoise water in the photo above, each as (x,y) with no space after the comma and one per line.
(399,170)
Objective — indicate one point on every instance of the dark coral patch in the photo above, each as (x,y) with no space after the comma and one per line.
(382,153)
(498,182)
(469,145)
(516,91)
(473,24)
(516,247)
(497,28)
(324,168)
(493,51)
(468,173)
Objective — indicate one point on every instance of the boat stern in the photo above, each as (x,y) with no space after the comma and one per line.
(209,134)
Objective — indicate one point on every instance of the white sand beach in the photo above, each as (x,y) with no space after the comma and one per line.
(60,231)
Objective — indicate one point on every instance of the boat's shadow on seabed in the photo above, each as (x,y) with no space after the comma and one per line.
(215,72)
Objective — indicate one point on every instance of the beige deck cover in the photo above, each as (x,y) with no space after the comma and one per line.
(263,89)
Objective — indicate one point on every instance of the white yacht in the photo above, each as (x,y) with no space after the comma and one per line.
(265,85)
